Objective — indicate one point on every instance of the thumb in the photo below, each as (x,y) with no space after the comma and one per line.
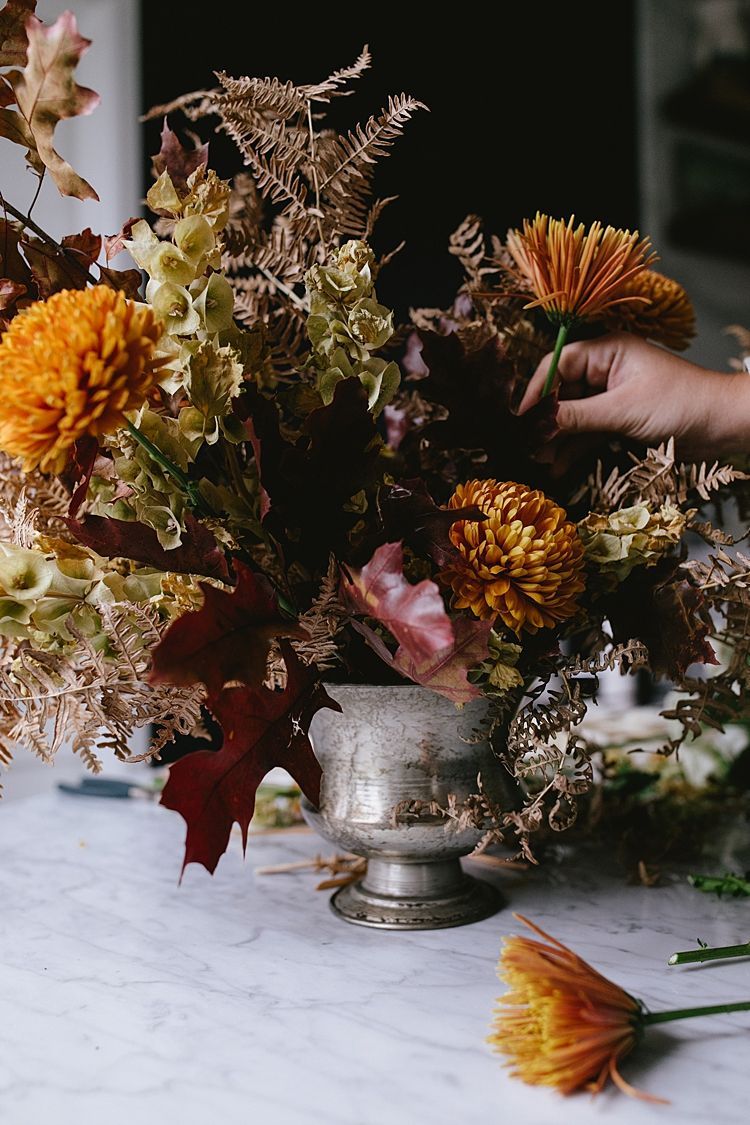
(597,414)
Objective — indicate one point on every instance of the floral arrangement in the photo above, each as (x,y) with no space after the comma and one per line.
(225,487)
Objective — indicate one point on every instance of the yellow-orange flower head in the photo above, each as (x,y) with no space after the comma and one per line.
(577,274)
(523,564)
(72,366)
(562,1023)
(666,316)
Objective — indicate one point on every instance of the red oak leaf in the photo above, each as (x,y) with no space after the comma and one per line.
(262,729)
(199,553)
(445,672)
(415,615)
(227,639)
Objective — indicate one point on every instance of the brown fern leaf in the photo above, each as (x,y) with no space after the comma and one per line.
(358,150)
(335,85)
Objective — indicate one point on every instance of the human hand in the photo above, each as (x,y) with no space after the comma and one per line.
(622,384)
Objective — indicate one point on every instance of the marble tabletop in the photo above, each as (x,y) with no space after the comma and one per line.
(126,998)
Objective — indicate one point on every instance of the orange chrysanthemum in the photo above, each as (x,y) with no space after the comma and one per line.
(666,316)
(562,1023)
(523,564)
(72,366)
(577,274)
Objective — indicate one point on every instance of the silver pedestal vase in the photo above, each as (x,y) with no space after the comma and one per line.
(398,744)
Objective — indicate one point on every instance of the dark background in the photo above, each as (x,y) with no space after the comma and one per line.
(531,109)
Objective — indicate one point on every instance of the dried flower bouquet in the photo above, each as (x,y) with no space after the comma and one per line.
(242,479)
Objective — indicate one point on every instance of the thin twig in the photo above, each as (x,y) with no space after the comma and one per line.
(29,224)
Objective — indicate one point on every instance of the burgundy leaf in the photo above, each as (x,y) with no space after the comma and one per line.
(78,472)
(229,638)
(409,513)
(415,615)
(199,553)
(177,160)
(660,607)
(262,729)
(479,388)
(309,482)
(445,672)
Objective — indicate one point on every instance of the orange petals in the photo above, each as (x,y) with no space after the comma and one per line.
(523,564)
(574,273)
(72,366)
(666,316)
(561,1023)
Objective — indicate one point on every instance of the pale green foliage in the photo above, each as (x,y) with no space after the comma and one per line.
(53,593)
(636,536)
(498,675)
(346,325)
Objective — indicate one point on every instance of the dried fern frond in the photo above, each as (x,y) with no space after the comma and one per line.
(657,478)
(43,500)
(92,701)
(334,86)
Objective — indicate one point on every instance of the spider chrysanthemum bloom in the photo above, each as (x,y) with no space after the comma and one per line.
(562,1023)
(72,366)
(523,564)
(667,315)
(577,274)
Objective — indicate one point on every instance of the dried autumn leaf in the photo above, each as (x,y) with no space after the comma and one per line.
(409,513)
(262,729)
(10,291)
(229,638)
(199,553)
(415,615)
(445,672)
(14,42)
(176,160)
(47,93)
(478,386)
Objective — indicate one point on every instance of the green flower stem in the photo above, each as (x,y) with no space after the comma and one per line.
(562,335)
(188,486)
(688,1013)
(718,953)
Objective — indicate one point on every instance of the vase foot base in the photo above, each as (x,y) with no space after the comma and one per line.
(470,901)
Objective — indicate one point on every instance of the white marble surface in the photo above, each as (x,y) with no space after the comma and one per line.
(126,998)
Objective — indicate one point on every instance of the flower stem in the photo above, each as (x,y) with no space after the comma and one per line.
(562,335)
(188,486)
(718,953)
(688,1013)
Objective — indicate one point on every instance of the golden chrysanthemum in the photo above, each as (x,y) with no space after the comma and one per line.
(523,564)
(72,366)
(666,316)
(577,274)
(562,1023)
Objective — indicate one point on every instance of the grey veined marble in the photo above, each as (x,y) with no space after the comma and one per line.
(126,999)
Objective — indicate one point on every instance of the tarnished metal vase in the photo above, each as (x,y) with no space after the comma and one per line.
(392,745)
